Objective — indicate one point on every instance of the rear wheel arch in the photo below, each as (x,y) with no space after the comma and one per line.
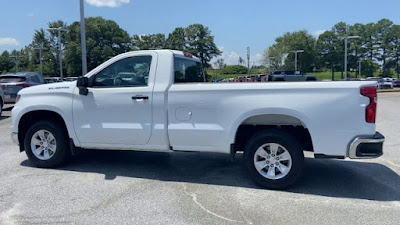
(287,123)
(31,117)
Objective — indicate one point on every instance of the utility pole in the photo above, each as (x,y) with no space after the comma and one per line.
(16,61)
(59,29)
(346,38)
(83,38)
(269,62)
(295,57)
(248,60)
(40,48)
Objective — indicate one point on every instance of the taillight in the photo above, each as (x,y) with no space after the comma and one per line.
(22,85)
(370,110)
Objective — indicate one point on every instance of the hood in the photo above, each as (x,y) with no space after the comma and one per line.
(62,87)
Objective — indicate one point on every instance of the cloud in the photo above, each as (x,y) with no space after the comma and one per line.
(8,42)
(318,32)
(107,3)
(30,14)
(232,58)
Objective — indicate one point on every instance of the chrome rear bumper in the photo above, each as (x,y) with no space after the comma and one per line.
(366,147)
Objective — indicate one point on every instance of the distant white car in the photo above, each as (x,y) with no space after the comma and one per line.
(383,83)
(387,83)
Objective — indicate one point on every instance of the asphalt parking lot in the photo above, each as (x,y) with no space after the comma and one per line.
(198,188)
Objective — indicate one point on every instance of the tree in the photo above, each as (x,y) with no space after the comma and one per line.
(177,39)
(220,64)
(393,41)
(200,43)
(148,41)
(328,46)
(382,41)
(104,39)
(6,63)
(284,45)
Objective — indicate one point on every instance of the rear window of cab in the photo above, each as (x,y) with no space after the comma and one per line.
(187,71)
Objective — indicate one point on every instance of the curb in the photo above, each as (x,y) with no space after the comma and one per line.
(388,90)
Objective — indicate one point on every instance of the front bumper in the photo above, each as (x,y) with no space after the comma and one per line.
(366,147)
(14,137)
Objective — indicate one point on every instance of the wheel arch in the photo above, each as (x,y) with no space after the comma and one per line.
(293,122)
(30,117)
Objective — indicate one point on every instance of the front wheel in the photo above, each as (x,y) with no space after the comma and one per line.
(46,144)
(274,159)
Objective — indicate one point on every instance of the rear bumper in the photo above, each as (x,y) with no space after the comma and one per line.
(366,147)
(9,98)
(14,137)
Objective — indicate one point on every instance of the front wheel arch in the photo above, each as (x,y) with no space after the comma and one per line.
(29,118)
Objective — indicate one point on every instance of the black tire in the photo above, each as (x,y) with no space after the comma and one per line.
(287,141)
(62,153)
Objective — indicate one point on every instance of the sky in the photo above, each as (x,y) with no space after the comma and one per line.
(234,24)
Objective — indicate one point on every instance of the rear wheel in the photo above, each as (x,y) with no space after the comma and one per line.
(46,144)
(274,159)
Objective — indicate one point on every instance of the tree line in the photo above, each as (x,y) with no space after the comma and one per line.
(104,39)
(376,47)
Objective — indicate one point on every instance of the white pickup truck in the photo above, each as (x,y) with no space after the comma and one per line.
(158,101)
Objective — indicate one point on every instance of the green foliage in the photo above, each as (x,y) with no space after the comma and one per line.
(234,69)
(177,39)
(200,43)
(104,39)
(148,42)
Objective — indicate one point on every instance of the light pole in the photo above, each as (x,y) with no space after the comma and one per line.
(16,61)
(295,58)
(359,68)
(83,38)
(59,29)
(248,60)
(40,48)
(269,62)
(346,38)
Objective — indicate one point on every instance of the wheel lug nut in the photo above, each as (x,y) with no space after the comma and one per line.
(277,163)
(267,162)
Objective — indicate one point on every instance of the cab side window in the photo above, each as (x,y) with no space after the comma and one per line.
(127,72)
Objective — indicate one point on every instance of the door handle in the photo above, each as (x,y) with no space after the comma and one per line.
(138,97)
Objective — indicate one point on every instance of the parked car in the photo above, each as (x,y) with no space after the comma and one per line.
(70,78)
(382,83)
(167,106)
(1,99)
(13,83)
(396,82)
(290,75)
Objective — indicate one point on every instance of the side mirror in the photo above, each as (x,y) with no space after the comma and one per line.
(82,83)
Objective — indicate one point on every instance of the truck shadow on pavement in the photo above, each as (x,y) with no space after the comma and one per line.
(331,178)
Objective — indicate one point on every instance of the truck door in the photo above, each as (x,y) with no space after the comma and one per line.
(117,111)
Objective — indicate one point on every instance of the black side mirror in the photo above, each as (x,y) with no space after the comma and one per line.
(82,83)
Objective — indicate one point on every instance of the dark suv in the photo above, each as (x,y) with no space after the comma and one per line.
(12,83)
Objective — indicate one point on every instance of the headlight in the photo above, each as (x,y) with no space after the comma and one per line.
(17,99)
